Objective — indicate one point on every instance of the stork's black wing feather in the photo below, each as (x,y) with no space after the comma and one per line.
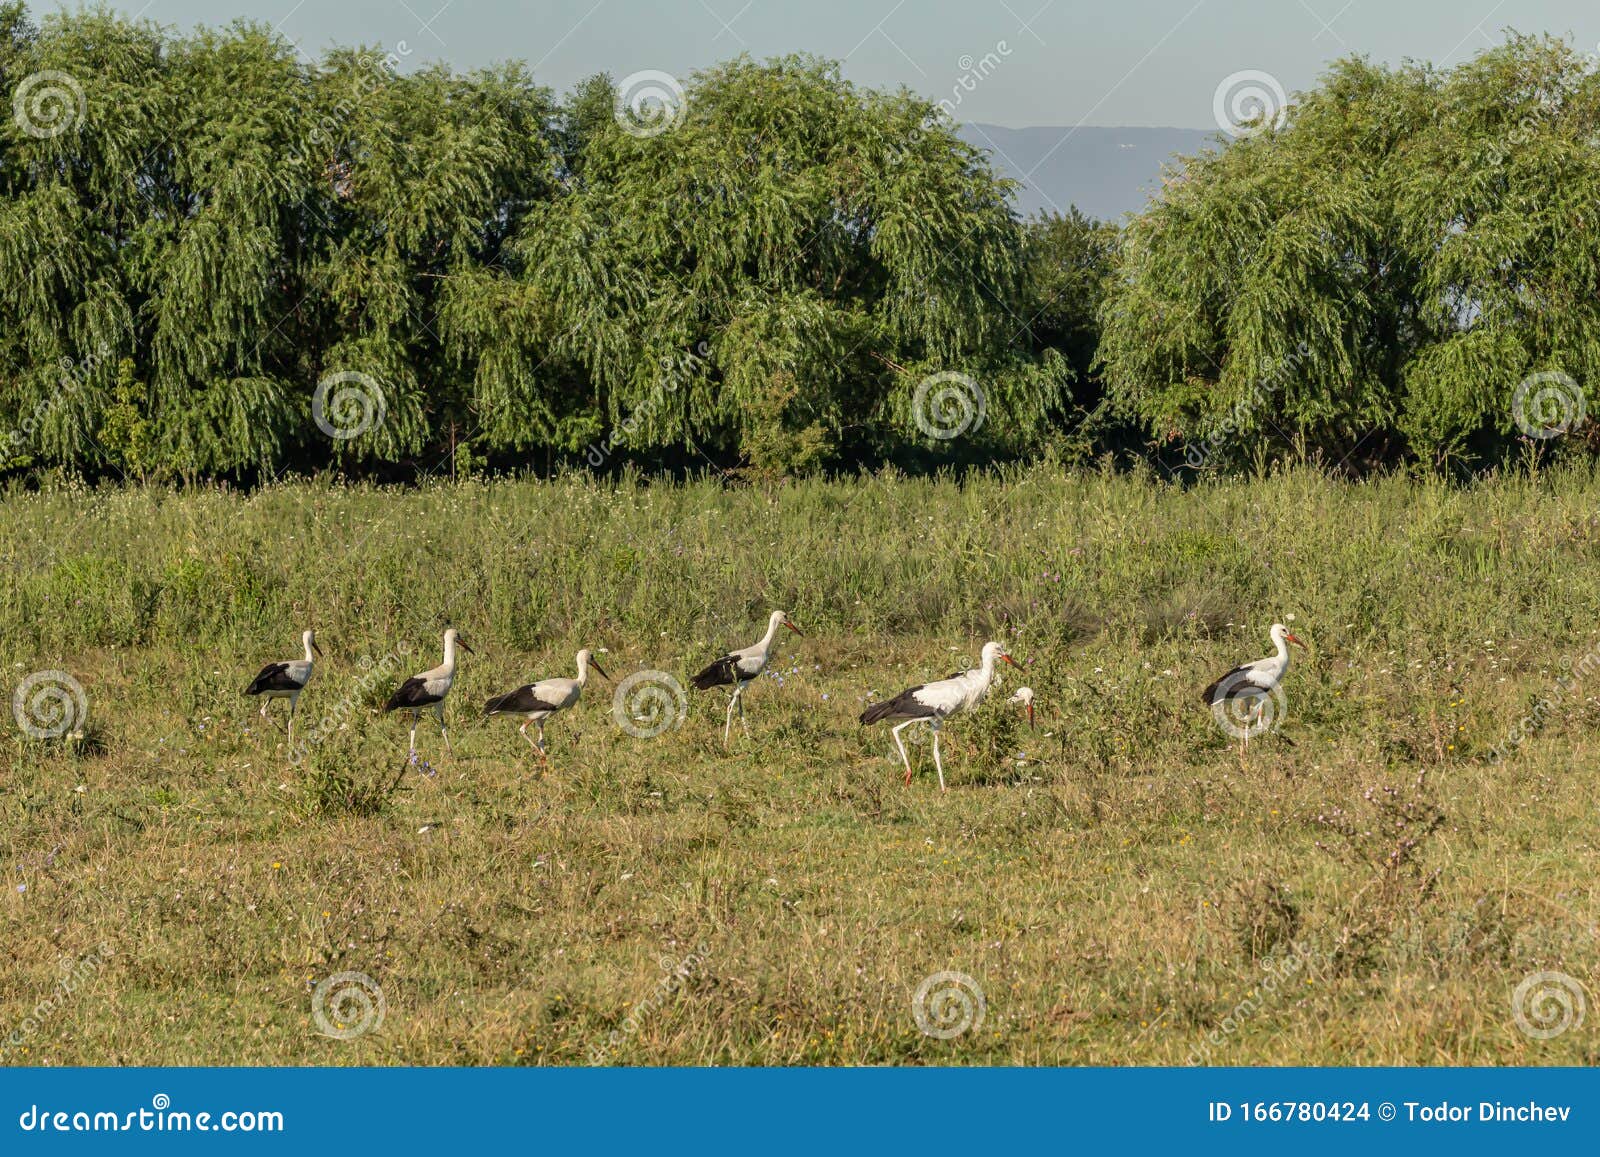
(720,673)
(522,701)
(1237,682)
(272,677)
(412,693)
(903,706)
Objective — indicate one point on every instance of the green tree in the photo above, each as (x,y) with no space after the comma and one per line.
(824,245)
(1384,269)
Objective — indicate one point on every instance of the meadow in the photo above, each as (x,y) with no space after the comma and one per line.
(1368,884)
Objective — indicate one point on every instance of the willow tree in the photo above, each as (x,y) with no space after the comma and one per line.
(1392,261)
(218,275)
(1263,295)
(772,273)
(87,108)
(196,231)
(1499,201)
(209,244)
(416,178)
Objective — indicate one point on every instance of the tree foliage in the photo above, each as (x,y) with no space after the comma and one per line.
(212,227)
(1387,267)
(220,259)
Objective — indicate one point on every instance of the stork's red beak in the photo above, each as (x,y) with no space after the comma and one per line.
(1031,725)
(1009,659)
(595,663)
(1295,639)
(794,628)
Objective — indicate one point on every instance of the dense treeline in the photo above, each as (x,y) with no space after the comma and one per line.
(218,260)
(196,233)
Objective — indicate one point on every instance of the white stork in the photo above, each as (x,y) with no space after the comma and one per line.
(740,667)
(933,703)
(429,689)
(1024,696)
(285,680)
(537,702)
(1252,683)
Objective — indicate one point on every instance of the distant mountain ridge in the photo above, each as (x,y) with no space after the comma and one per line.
(1105,172)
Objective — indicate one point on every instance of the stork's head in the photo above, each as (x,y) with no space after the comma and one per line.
(452,638)
(1024,696)
(1282,634)
(993,652)
(782,618)
(586,660)
(310,640)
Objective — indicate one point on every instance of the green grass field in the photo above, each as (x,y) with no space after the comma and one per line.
(1366,886)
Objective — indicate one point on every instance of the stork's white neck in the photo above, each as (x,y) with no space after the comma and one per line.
(449,652)
(307,641)
(772,633)
(583,669)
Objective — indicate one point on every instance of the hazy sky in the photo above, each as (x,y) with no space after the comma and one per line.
(1057,62)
